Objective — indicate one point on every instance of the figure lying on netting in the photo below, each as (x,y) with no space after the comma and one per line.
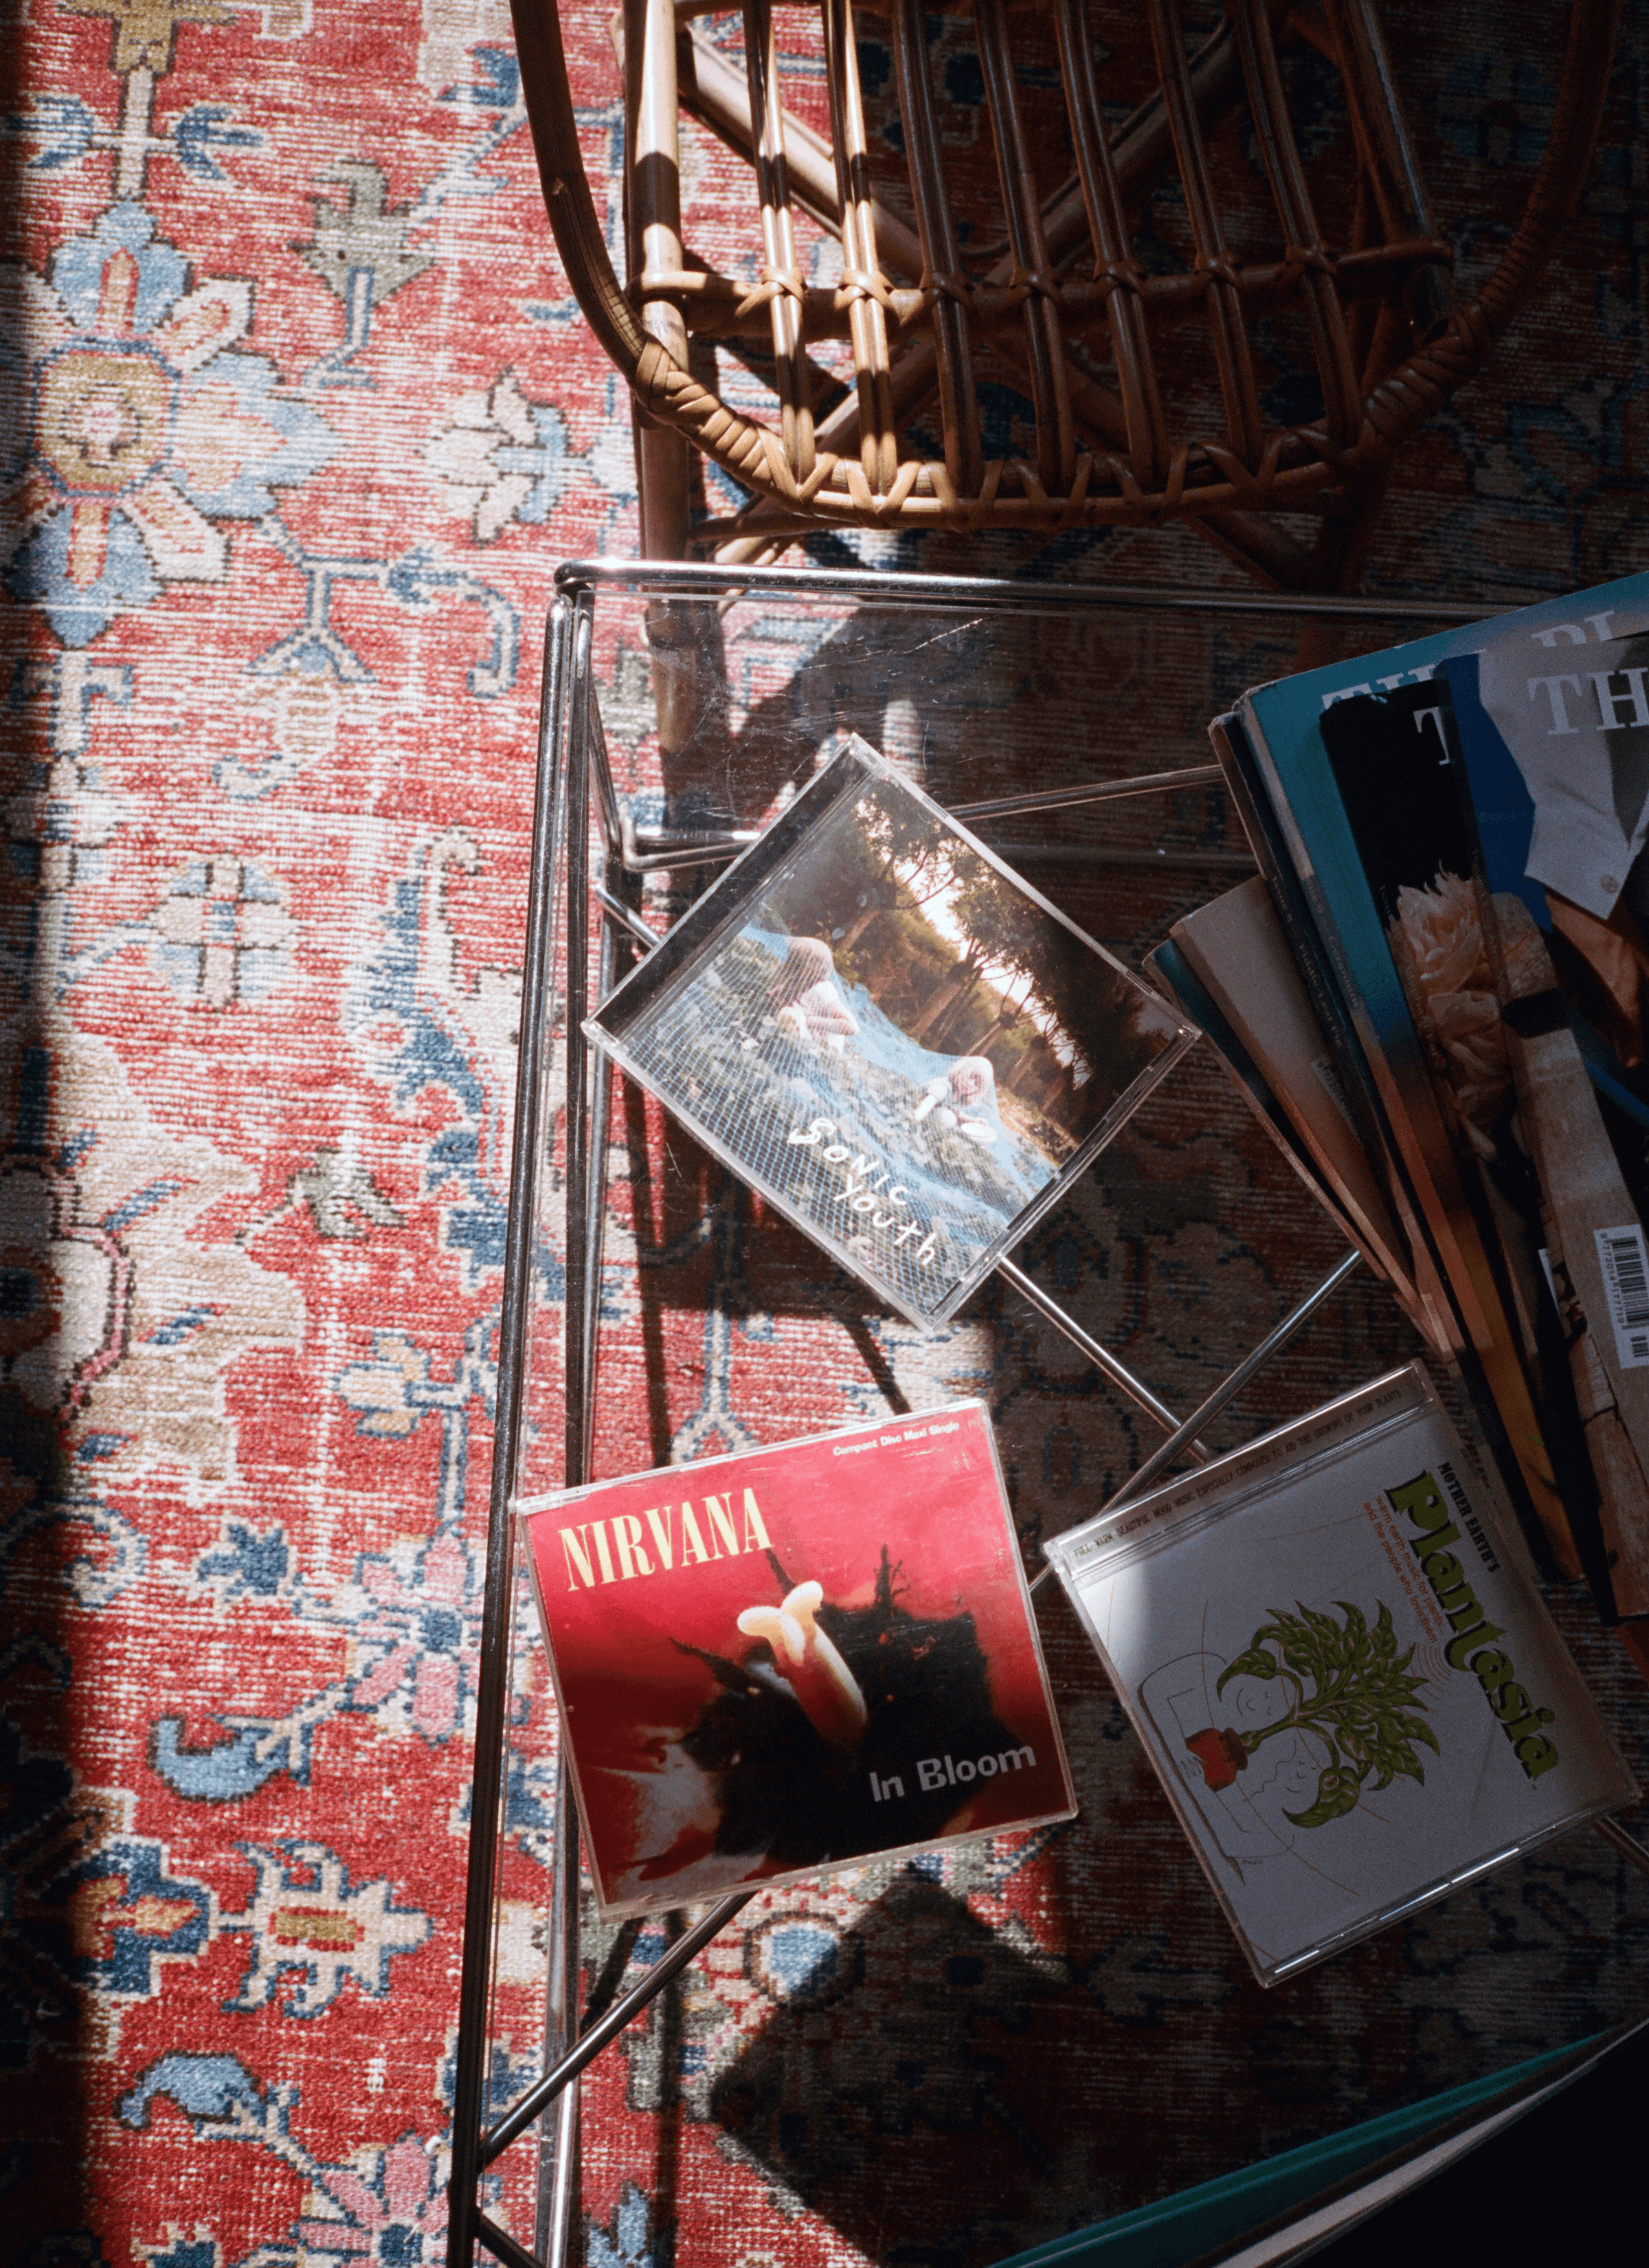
(852,1049)
(806,1001)
(809,1007)
(969,1080)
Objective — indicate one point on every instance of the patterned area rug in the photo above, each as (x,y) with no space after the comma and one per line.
(297,417)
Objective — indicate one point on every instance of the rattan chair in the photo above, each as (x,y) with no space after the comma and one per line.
(1065,310)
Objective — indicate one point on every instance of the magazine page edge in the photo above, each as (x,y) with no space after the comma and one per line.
(1263,1099)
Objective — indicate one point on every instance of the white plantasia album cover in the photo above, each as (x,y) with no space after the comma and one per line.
(1354,1699)
(891,1036)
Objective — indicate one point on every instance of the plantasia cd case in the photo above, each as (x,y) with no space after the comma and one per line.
(777,1664)
(905,1049)
(1353,1698)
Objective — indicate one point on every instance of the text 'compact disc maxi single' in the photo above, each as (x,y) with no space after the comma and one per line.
(773,1664)
(887,1032)
(1354,1698)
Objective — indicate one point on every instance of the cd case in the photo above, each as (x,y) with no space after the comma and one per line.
(903,1046)
(1353,1698)
(774,1665)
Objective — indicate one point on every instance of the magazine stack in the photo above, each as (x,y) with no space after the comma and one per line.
(1436,1000)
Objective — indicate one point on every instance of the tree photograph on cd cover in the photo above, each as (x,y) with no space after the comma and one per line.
(897,1004)
(960,961)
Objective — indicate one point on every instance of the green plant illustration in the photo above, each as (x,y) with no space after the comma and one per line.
(1350,1687)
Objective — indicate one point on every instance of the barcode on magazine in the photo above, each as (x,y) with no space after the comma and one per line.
(1625,1266)
(1329,1080)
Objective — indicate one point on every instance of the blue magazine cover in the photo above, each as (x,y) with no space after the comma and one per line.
(1464,815)
(1558,767)
(1283,722)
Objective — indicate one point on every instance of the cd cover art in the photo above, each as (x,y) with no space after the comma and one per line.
(887,1033)
(1353,1698)
(776,1664)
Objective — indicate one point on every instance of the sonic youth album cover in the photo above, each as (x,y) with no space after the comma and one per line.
(1353,1698)
(895,1040)
(773,1664)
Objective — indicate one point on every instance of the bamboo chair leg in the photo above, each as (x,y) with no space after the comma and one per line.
(1226,332)
(1145,420)
(664,474)
(652,245)
(780,274)
(941,264)
(1389,163)
(1033,271)
(861,269)
(652,230)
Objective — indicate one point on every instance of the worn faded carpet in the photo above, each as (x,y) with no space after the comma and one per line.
(297,417)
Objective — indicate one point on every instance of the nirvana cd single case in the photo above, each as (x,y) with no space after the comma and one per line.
(905,1049)
(1353,1698)
(773,1664)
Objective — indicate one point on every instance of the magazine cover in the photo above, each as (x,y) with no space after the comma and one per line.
(887,1033)
(1512,1098)
(1556,770)
(1282,727)
(1458,1292)
(1353,1699)
(1285,715)
(1389,758)
(1235,944)
(1171,971)
(776,1664)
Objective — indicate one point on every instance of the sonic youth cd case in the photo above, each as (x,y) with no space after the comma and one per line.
(1354,1700)
(906,1049)
(779,1663)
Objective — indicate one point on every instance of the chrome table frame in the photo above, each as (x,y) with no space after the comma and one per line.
(574,787)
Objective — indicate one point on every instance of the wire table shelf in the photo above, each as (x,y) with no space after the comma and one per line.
(747,673)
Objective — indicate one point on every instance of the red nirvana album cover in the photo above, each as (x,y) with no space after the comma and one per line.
(797,1659)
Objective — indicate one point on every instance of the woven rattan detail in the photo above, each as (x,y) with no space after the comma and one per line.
(1067,291)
